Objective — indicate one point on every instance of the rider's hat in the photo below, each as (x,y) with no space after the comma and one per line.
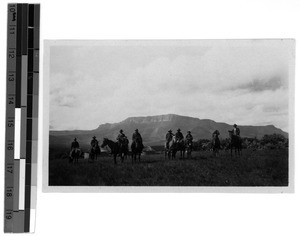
(234,125)
(75,139)
(179,129)
(137,130)
(170,131)
(94,137)
(121,131)
(189,132)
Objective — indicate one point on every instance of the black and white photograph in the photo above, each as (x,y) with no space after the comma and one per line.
(150,117)
(178,113)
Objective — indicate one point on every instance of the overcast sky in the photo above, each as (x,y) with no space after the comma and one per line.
(232,81)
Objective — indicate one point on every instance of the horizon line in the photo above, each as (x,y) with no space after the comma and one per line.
(159,115)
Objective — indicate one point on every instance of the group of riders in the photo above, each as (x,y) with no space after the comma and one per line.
(122,141)
(178,137)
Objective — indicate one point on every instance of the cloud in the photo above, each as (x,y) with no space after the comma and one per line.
(257,85)
(234,82)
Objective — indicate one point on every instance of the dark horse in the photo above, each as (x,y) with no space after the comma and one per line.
(136,150)
(180,147)
(115,149)
(74,155)
(235,143)
(216,144)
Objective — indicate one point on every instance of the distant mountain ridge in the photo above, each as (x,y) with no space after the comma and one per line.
(154,128)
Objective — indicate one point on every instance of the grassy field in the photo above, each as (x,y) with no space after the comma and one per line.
(253,168)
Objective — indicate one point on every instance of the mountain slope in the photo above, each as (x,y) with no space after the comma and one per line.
(154,128)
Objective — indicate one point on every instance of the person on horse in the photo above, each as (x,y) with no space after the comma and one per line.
(216,134)
(189,138)
(169,137)
(216,144)
(94,142)
(121,138)
(74,146)
(137,138)
(179,136)
(236,131)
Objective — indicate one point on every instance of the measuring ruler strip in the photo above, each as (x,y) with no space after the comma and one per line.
(10,116)
(21,117)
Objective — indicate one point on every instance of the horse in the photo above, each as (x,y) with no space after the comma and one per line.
(95,150)
(115,148)
(188,147)
(216,144)
(170,148)
(74,155)
(136,150)
(236,143)
(125,148)
(180,146)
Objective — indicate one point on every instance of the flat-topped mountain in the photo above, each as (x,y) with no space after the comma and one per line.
(154,128)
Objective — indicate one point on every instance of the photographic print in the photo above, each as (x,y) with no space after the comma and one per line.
(169,113)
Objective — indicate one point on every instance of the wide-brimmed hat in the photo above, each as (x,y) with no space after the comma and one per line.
(179,129)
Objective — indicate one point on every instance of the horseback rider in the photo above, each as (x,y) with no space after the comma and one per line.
(179,135)
(121,138)
(169,137)
(236,131)
(215,139)
(216,134)
(94,142)
(189,138)
(136,137)
(74,146)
